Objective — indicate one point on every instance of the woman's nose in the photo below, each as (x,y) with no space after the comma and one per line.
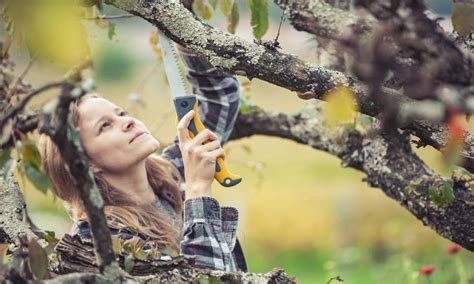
(129,124)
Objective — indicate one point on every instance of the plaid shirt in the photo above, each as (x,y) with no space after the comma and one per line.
(209,231)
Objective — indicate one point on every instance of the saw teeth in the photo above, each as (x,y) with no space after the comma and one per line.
(167,45)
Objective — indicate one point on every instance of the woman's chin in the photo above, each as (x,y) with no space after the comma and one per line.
(155,145)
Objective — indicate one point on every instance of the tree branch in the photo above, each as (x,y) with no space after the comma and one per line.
(78,257)
(55,123)
(388,162)
(12,213)
(322,19)
(235,55)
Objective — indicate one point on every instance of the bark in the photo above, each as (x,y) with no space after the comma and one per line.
(254,60)
(388,161)
(12,213)
(322,19)
(56,124)
(76,257)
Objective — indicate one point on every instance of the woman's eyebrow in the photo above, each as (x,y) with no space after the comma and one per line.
(116,109)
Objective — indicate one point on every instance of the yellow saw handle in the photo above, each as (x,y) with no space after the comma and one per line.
(183,105)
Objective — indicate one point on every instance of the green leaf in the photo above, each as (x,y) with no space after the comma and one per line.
(226,6)
(9,166)
(38,260)
(129,263)
(259,17)
(37,177)
(112,32)
(116,245)
(245,106)
(5,155)
(50,237)
(31,154)
(350,127)
(53,32)
(206,279)
(140,254)
(233,18)
(170,251)
(203,9)
(364,121)
(442,196)
(463,17)
(340,107)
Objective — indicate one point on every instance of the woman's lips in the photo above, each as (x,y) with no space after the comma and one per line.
(138,136)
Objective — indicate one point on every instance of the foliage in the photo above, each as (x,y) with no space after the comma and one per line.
(259,17)
(37,260)
(442,196)
(463,17)
(230,9)
(35,23)
(340,107)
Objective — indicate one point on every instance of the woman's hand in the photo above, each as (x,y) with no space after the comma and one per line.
(199,159)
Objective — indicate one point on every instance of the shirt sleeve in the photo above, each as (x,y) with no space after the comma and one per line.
(209,233)
(218,96)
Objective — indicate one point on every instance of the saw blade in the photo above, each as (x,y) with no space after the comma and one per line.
(174,73)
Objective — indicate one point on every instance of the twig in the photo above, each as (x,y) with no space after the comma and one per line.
(17,81)
(279,27)
(15,110)
(114,17)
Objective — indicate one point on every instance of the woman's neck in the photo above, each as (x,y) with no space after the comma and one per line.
(134,182)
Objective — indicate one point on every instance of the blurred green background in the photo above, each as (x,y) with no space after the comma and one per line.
(299,209)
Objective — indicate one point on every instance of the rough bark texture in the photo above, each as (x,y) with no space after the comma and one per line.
(388,162)
(12,212)
(76,256)
(79,257)
(322,19)
(253,60)
(56,125)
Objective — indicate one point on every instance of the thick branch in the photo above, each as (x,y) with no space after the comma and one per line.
(12,213)
(238,56)
(320,18)
(388,162)
(55,123)
(76,256)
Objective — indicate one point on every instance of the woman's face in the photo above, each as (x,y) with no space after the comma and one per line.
(107,135)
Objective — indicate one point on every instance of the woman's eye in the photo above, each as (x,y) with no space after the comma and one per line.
(102,126)
(122,113)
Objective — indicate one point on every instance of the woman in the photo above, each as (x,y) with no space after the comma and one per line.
(143,191)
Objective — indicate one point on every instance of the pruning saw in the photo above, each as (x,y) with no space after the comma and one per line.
(185,101)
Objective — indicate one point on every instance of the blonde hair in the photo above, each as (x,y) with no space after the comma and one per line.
(147,219)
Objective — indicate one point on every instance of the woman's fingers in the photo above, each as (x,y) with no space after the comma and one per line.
(214,154)
(183,134)
(211,145)
(204,136)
